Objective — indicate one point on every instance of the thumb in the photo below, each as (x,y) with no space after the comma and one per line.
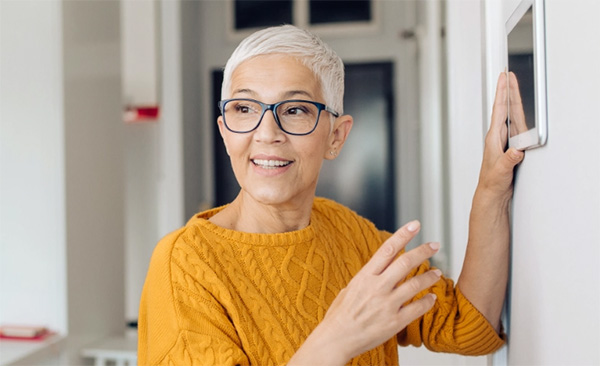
(510,159)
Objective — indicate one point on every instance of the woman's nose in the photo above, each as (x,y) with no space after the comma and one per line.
(268,130)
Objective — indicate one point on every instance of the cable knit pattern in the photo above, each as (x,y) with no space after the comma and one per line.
(220,297)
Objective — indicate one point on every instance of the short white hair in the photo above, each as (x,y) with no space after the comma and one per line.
(309,49)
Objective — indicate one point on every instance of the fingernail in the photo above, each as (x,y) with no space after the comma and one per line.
(413,226)
(437,272)
(434,245)
(434,296)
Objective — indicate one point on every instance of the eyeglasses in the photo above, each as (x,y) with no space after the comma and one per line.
(294,117)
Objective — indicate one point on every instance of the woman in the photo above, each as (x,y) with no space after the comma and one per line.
(279,276)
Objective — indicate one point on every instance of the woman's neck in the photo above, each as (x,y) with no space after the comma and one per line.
(248,215)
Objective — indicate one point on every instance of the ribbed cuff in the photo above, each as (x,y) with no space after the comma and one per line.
(477,336)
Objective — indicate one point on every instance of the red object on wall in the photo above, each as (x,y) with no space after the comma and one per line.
(138,114)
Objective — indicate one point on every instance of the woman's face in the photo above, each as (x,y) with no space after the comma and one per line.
(271,166)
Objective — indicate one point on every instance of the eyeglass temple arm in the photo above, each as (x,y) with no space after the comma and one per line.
(336,114)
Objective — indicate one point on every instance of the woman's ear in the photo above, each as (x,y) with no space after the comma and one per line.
(222,132)
(341,129)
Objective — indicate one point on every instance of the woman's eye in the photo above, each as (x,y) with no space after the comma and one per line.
(243,109)
(295,110)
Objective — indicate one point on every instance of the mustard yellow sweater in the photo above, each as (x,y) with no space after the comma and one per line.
(220,297)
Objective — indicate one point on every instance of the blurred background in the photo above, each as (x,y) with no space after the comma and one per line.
(108,142)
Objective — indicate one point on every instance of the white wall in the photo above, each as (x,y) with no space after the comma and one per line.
(63,159)
(32,167)
(62,172)
(139,52)
(94,167)
(555,291)
(555,286)
(141,200)
(141,86)
(465,119)
(154,151)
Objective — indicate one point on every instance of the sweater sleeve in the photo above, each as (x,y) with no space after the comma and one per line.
(453,325)
(180,322)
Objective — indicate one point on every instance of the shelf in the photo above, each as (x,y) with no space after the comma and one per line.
(121,350)
(20,351)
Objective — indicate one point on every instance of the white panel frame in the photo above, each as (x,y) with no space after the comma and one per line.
(537,136)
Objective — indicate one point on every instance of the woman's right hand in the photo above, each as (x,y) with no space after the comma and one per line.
(370,310)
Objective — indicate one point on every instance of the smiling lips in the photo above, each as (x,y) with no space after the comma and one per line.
(270,164)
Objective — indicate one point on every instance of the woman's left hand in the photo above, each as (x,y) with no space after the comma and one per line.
(496,175)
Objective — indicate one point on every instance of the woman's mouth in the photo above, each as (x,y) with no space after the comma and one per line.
(270,164)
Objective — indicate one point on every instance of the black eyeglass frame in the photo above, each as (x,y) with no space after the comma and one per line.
(273,107)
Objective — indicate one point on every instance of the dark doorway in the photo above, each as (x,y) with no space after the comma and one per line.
(226,186)
(362,177)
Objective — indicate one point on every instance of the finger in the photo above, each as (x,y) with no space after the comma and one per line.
(416,309)
(499,111)
(404,264)
(517,114)
(391,248)
(497,135)
(412,287)
(513,88)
